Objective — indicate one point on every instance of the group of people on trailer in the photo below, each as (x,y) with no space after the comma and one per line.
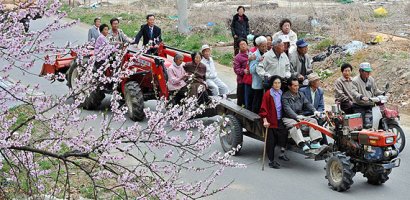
(275,79)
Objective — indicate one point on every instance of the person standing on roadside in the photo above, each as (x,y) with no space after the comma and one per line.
(94,31)
(239,27)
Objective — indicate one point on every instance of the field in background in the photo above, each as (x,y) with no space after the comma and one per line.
(337,24)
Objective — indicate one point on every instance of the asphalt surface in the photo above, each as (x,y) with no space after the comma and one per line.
(299,178)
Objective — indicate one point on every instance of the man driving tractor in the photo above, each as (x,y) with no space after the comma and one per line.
(295,104)
(364,88)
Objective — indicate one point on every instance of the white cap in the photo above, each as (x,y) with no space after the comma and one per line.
(284,38)
(205,46)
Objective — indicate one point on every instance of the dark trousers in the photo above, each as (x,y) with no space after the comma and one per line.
(240,93)
(236,45)
(257,100)
(178,95)
(248,96)
(276,136)
(346,107)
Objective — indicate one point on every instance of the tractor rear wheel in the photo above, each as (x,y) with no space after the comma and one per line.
(134,99)
(93,100)
(339,172)
(231,135)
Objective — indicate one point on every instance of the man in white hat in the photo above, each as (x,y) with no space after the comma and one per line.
(215,84)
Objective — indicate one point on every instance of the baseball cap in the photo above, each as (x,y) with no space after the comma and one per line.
(301,43)
(285,38)
(205,46)
(365,66)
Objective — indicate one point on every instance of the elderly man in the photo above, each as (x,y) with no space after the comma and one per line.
(314,94)
(295,104)
(275,62)
(257,88)
(116,35)
(301,62)
(94,31)
(215,84)
(364,87)
(343,88)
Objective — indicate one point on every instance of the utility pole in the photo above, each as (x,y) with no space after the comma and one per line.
(182,7)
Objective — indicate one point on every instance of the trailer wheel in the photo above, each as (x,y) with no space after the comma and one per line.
(134,99)
(231,135)
(73,72)
(339,172)
(95,98)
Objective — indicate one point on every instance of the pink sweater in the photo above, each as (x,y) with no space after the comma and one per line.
(175,77)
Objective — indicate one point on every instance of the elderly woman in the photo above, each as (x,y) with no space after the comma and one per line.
(177,78)
(285,29)
(240,66)
(271,114)
(197,70)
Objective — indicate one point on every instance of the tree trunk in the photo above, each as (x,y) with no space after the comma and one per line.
(182,6)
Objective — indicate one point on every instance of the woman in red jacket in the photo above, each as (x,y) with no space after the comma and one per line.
(271,114)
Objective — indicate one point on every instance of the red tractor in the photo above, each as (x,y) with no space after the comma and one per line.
(150,76)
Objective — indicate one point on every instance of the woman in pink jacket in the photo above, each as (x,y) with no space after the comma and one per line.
(177,79)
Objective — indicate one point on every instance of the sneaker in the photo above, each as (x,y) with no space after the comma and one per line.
(274,165)
(284,157)
(315,146)
(305,148)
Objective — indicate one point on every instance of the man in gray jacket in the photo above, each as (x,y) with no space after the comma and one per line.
(94,31)
(364,88)
(275,62)
(301,62)
(295,104)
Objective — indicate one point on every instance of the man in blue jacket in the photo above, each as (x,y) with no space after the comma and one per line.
(314,94)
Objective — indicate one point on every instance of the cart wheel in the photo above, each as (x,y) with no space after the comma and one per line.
(339,172)
(231,135)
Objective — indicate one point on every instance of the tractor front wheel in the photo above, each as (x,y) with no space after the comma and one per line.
(134,99)
(339,172)
(374,178)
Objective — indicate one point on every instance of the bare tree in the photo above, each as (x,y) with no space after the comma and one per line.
(182,6)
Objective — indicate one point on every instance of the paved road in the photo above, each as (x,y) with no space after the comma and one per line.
(298,179)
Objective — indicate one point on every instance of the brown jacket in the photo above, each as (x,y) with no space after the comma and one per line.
(343,90)
(198,71)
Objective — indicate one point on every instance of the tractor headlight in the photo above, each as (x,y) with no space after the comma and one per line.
(389,140)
